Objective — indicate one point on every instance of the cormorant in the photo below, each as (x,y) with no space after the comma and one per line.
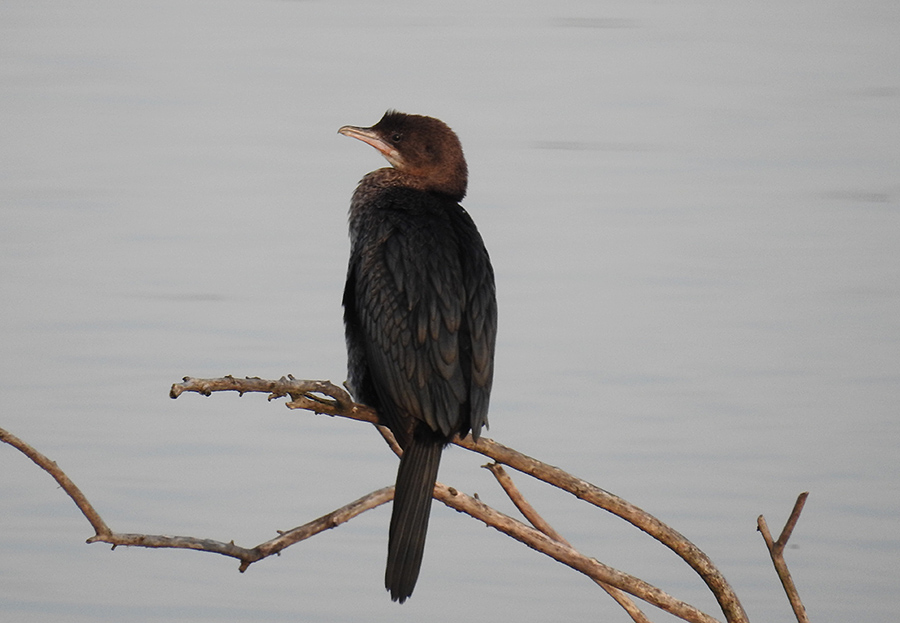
(420,315)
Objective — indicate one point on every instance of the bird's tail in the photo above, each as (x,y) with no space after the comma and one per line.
(409,518)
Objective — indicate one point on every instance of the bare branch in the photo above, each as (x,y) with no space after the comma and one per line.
(792,521)
(567,555)
(323,397)
(776,551)
(448,495)
(524,506)
(326,398)
(584,490)
(314,391)
(100,527)
(247,556)
(535,519)
(463,503)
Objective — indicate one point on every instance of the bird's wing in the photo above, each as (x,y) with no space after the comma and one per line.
(480,320)
(412,305)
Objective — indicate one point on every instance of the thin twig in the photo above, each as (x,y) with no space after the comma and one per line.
(100,527)
(776,551)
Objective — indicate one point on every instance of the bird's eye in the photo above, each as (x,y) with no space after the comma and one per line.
(396,137)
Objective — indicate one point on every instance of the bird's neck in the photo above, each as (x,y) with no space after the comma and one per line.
(451,183)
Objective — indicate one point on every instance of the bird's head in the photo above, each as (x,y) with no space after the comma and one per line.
(424,150)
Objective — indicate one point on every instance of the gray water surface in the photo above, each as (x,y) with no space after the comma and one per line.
(693,211)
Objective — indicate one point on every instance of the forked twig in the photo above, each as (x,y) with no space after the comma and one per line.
(776,551)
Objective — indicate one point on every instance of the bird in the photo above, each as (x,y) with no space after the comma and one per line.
(420,315)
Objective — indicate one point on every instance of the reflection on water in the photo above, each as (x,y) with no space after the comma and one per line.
(693,215)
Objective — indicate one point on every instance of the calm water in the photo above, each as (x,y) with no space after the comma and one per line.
(693,213)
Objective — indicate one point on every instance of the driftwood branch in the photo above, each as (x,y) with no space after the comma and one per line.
(327,398)
(567,555)
(247,556)
(776,551)
(448,495)
(535,519)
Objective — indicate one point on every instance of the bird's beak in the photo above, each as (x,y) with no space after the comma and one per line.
(367,135)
